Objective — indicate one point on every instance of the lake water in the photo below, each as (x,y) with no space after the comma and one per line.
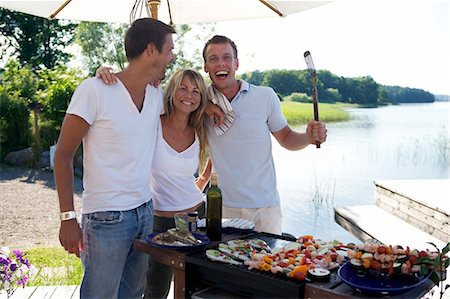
(410,141)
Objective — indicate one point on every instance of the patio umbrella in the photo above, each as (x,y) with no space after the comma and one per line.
(168,11)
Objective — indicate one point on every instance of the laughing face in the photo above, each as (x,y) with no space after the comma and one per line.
(165,57)
(221,64)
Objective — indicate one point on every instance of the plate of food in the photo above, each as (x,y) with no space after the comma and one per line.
(366,282)
(177,239)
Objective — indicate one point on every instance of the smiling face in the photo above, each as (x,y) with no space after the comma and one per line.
(221,64)
(187,96)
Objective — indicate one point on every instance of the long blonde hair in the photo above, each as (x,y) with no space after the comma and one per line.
(196,118)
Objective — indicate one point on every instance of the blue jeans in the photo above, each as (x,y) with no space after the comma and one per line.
(112,268)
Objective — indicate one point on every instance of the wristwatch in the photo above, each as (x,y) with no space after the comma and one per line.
(64,216)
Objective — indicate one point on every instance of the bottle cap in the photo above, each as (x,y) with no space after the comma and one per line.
(193,214)
(214,177)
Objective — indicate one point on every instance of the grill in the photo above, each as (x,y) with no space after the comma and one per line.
(202,273)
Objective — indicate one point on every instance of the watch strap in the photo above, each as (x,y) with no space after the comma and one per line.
(64,216)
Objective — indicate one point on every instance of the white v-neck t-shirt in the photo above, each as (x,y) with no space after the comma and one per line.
(172,176)
(119,145)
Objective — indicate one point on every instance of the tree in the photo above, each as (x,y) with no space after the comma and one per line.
(328,79)
(397,94)
(298,97)
(382,95)
(35,41)
(255,77)
(181,60)
(18,87)
(56,89)
(19,81)
(284,82)
(189,44)
(101,44)
(330,95)
(15,128)
(366,90)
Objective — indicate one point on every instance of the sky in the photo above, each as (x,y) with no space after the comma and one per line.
(397,42)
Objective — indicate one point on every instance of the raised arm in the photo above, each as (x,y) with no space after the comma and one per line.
(72,132)
(293,140)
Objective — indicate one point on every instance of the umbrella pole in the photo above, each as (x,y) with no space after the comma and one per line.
(154,6)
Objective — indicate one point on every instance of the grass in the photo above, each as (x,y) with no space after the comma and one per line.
(301,113)
(54,267)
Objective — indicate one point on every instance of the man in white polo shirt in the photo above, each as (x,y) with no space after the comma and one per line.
(243,154)
(118,126)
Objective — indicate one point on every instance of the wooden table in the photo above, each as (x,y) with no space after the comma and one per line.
(174,259)
(169,257)
(335,288)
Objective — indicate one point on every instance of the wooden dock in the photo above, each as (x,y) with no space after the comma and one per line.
(405,212)
(424,204)
(46,292)
(54,292)
(371,222)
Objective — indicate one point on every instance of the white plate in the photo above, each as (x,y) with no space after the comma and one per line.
(230,223)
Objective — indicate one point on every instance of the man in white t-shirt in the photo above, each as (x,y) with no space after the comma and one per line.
(243,154)
(118,127)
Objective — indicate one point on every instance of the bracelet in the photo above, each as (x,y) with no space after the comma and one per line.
(64,216)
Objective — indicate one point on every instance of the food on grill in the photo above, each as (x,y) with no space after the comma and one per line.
(381,259)
(296,259)
(299,272)
(355,263)
(217,256)
(293,260)
(319,274)
(258,244)
(237,252)
(175,237)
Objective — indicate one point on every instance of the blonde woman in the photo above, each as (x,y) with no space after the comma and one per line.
(181,141)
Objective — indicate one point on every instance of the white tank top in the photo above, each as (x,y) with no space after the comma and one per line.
(172,176)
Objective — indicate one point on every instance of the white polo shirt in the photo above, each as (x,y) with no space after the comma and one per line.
(243,155)
(118,147)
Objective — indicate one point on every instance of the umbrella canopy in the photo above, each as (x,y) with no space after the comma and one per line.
(168,11)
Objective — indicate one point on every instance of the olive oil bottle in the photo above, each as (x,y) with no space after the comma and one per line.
(214,210)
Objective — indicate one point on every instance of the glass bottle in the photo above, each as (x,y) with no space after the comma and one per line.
(214,210)
(193,217)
